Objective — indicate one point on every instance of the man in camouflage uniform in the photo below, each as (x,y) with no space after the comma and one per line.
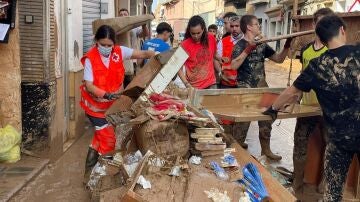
(305,126)
(335,78)
(248,59)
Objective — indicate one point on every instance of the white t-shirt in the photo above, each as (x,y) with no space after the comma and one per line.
(88,73)
(134,34)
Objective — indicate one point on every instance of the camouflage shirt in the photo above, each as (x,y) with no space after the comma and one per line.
(252,70)
(335,78)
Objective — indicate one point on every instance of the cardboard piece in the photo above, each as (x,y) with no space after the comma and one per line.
(123,24)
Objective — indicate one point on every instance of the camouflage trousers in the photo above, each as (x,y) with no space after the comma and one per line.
(336,166)
(239,130)
(304,128)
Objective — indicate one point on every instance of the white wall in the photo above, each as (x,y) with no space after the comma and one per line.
(111,9)
(74,34)
(259,13)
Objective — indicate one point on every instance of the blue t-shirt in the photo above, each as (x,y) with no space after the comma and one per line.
(156,44)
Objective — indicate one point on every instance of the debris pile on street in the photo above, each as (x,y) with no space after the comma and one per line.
(169,150)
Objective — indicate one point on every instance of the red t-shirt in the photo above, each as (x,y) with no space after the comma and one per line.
(200,65)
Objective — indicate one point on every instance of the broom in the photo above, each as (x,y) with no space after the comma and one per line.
(254,184)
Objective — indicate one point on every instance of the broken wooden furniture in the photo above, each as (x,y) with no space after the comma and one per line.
(305,22)
(242,105)
(122,27)
(246,104)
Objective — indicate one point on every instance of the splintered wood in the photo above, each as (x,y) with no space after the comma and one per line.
(207,141)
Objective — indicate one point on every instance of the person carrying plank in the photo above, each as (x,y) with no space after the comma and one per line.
(248,59)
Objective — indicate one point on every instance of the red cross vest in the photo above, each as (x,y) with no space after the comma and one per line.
(230,74)
(108,79)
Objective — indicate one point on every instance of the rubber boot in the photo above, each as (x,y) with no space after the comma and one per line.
(91,159)
(265,149)
(298,181)
(239,132)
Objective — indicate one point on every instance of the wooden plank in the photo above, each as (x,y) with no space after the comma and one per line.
(276,191)
(195,135)
(255,113)
(207,131)
(212,153)
(346,14)
(209,147)
(293,35)
(167,73)
(244,104)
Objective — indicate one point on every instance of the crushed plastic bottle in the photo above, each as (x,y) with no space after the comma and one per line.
(219,171)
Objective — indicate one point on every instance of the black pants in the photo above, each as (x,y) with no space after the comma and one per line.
(95,121)
(336,166)
(222,86)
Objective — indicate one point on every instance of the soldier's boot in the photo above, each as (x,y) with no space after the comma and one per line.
(265,149)
(239,132)
(298,182)
(91,159)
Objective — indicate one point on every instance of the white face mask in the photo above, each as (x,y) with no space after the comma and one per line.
(104,51)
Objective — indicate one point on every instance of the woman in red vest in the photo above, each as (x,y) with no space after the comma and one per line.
(103,79)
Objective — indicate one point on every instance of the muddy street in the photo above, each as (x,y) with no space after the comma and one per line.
(62,180)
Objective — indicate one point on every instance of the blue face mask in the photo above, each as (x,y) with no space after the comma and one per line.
(104,51)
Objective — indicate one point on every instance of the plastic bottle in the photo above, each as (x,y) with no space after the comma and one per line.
(219,171)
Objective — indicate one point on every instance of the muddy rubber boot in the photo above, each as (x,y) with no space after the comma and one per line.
(265,149)
(91,160)
(239,132)
(298,181)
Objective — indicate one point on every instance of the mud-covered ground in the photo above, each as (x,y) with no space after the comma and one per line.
(62,180)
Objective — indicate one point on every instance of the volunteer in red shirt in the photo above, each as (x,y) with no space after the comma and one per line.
(201,48)
(103,80)
(224,49)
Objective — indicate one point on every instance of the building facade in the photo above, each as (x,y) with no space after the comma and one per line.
(41,73)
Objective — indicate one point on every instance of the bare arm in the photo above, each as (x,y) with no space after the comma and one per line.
(145,32)
(280,57)
(217,66)
(183,77)
(237,62)
(142,54)
(90,87)
(288,96)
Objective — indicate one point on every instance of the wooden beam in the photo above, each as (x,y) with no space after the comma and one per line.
(293,35)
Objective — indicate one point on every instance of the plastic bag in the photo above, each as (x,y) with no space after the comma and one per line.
(97,172)
(10,140)
(131,161)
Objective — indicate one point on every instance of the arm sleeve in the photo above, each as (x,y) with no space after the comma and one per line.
(126,52)
(305,80)
(219,48)
(268,51)
(167,47)
(88,73)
